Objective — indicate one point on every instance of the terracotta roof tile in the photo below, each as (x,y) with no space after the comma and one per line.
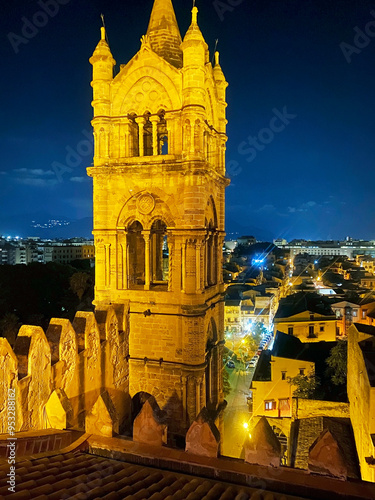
(83,476)
(46,489)
(112,496)
(46,479)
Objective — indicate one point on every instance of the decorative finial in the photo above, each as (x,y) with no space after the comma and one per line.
(195,14)
(145,40)
(217,62)
(102,29)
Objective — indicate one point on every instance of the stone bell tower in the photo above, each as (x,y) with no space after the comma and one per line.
(159,182)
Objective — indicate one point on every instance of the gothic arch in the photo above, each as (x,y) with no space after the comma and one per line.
(159,209)
(139,90)
(211,214)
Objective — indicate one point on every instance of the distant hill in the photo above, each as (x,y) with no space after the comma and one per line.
(242,228)
(44,225)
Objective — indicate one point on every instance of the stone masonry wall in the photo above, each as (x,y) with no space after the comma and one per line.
(75,363)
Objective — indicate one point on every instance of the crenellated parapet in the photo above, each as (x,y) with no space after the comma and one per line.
(57,377)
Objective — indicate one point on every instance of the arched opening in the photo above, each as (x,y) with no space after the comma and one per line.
(147,135)
(134,135)
(163,146)
(159,253)
(210,255)
(283,441)
(136,249)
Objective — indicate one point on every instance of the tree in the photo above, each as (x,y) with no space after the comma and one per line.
(338,363)
(79,284)
(9,326)
(226,385)
(306,386)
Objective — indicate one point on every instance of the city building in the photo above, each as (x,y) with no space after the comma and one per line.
(346,313)
(307,316)
(349,247)
(30,250)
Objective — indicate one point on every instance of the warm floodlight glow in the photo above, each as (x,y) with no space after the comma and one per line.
(246,425)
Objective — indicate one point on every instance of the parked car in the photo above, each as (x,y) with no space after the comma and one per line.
(230,364)
(252,364)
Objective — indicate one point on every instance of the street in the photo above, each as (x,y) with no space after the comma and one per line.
(237,411)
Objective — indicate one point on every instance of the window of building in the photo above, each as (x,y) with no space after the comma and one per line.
(283,375)
(136,255)
(364,312)
(321,328)
(302,371)
(311,332)
(270,405)
(290,330)
(159,256)
(354,314)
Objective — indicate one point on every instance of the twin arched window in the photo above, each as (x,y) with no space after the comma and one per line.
(149,134)
(148,255)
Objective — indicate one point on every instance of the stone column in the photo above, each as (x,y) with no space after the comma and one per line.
(122,260)
(191,399)
(184,400)
(205,263)
(141,123)
(155,146)
(171,274)
(197,395)
(198,266)
(203,391)
(107,248)
(183,267)
(125,137)
(146,236)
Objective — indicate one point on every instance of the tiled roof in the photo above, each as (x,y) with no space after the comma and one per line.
(117,468)
(301,302)
(368,329)
(81,475)
(263,369)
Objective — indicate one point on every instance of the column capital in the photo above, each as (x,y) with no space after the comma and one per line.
(154,118)
(141,120)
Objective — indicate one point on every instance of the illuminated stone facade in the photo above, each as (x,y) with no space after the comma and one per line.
(159,182)
(361,394)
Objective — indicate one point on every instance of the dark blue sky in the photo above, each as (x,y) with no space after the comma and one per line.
(313,179)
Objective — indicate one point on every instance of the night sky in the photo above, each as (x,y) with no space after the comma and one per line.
(313,177)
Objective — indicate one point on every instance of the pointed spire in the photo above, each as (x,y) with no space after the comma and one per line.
(194,33)
(164,33)
(102,50)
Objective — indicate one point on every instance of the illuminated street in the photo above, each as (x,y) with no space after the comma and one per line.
(237,411)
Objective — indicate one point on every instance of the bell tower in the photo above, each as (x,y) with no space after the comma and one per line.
(159,201)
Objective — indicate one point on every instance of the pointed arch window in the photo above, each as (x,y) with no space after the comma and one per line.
(162,134)
(136,255)
(147,135)
(159,253)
